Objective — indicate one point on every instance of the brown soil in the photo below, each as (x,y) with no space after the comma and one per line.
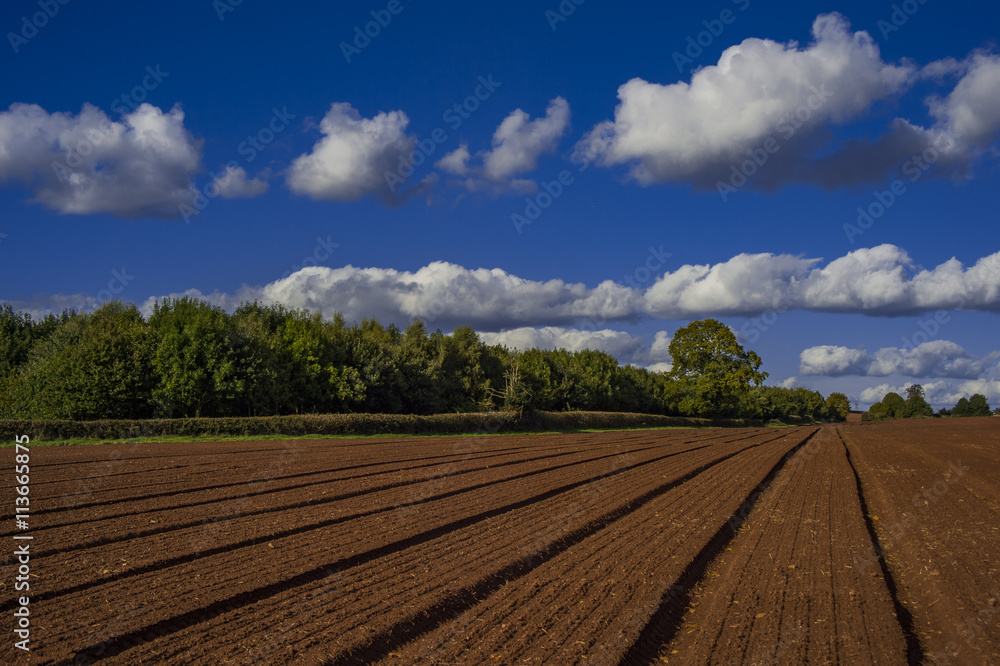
(516,549)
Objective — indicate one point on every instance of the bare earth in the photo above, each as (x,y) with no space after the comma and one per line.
(874,543)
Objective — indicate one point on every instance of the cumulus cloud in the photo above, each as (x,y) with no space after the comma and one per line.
(833,361)
(660,350)
(880,281)
(619,344)
(351,159)
(234,184)
(970,111)
(623,346)
(747,283)
(517,144)
(456,162)
(935,358)
(790,383)
(447,294)
(780,104)
(140,166)
(877,281)
(519,141)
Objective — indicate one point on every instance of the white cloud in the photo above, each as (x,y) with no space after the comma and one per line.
(935,358)
(833,361)
(519,141)
(456,162)
(352,158)
(660,350)
(619,344)
(876,281)
(879,281)
(695,132)
(794,97)
(970,111)
(517,144)
(140,166)
(875,394)
(790,383)
(234,184)
(445,293)
(623,346)
(747,283)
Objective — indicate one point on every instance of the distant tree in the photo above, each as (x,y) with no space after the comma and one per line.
(916,404)
(961,407)
(978,405)
(876,412)
(996,412)
(894,406)
(838,406)
(713,367)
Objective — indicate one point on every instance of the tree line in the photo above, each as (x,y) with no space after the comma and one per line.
(189,358)
(894,406)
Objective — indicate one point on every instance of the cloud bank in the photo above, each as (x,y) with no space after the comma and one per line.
(879,281)
(935,358)
(140,166)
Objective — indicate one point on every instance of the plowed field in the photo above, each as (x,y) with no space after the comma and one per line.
(873,543)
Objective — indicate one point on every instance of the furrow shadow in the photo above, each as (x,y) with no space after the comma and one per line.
(665,622)
(123,642)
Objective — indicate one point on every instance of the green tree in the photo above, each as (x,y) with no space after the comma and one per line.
(916,404)
(196,360)
(876,412)
(894,406)
(713,367)
(978,405)
(92,366)
(962,407)
(838,406)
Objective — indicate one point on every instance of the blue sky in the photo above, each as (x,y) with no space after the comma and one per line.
(649,114)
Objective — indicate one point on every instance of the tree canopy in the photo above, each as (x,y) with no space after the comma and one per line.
(189,358)
(712,367)
(977,405)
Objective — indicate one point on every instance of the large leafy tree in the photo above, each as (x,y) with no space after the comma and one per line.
(93,366)
(893,406)
(977,405)
(916,404)
(713,368)
(196,360)
(838,406)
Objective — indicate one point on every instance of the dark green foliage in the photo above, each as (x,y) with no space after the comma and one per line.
(893,406)
(713,368)
(91,366)
(191,359)
(977,405)
(916,404)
